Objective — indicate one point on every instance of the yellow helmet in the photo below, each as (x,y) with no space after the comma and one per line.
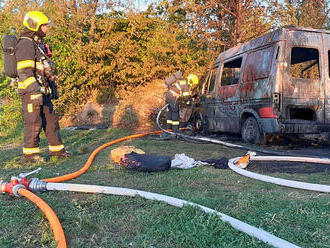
(192,79)
(34,19)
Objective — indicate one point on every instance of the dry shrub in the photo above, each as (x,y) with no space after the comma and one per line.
(142,101)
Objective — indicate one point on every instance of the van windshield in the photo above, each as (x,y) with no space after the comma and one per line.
(305,63)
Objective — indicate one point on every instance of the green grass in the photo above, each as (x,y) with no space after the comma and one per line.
(91,220)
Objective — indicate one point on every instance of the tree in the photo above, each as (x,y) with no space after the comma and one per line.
(304,13)
(97,47)
(225,23)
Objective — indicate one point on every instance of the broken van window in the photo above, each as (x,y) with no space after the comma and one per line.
(212,79)
(231,72)
(305,63)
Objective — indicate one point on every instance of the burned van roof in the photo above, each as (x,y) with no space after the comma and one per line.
(264,40)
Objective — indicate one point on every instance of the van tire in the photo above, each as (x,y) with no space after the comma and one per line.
(250,131)
(199,123)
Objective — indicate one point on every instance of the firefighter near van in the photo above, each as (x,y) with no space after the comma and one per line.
(179,92)
(28,60)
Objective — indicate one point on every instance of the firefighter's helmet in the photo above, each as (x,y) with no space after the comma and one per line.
(192,79)
(34,19)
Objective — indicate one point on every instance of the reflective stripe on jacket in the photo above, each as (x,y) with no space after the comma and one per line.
(28,65)
(180,88)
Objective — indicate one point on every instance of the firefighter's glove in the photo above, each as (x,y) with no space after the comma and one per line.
(37,99)
(51,77)
(48,70)
(49,74)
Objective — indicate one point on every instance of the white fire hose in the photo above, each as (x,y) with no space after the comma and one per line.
(233,165)
(235,223)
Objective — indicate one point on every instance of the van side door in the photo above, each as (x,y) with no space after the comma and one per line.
(257,86)
(227,111)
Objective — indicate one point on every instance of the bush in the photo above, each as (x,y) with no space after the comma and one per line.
(11,120)
(100,50)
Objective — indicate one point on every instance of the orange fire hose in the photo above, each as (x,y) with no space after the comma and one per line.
(50,214)
(92,156)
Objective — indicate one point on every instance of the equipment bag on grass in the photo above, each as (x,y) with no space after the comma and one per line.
(119,152)
(145,162)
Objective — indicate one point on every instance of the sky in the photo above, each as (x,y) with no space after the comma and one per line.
(143,4)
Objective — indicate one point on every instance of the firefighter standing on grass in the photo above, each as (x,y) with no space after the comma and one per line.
(34,89)
(178,89)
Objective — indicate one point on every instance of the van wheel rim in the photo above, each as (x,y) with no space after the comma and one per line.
(250,132)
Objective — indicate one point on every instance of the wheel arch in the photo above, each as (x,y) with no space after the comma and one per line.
(249,113)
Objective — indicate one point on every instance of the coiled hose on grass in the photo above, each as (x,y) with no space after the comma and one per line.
(280,181)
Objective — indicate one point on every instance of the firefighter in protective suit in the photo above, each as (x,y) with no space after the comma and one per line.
(179,90)
(34,90)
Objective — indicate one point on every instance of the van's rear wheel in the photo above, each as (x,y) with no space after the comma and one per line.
(250,131)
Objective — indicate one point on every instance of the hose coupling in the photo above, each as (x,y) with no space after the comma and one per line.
(20,182)
(16,188)
(37,185)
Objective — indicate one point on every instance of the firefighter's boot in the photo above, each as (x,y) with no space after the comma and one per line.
(61,154)
(33,158)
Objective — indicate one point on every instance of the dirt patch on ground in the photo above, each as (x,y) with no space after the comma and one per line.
(287,167)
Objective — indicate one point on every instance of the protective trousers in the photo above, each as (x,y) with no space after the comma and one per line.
(39,115)
(173,112)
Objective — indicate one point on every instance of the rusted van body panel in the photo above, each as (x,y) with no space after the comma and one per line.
(281,79)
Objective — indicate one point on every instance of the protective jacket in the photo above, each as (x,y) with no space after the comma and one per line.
(34,92)
(180,89)
(176,91)
(29,65)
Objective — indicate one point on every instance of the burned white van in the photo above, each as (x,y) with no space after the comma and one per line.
(278,83)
